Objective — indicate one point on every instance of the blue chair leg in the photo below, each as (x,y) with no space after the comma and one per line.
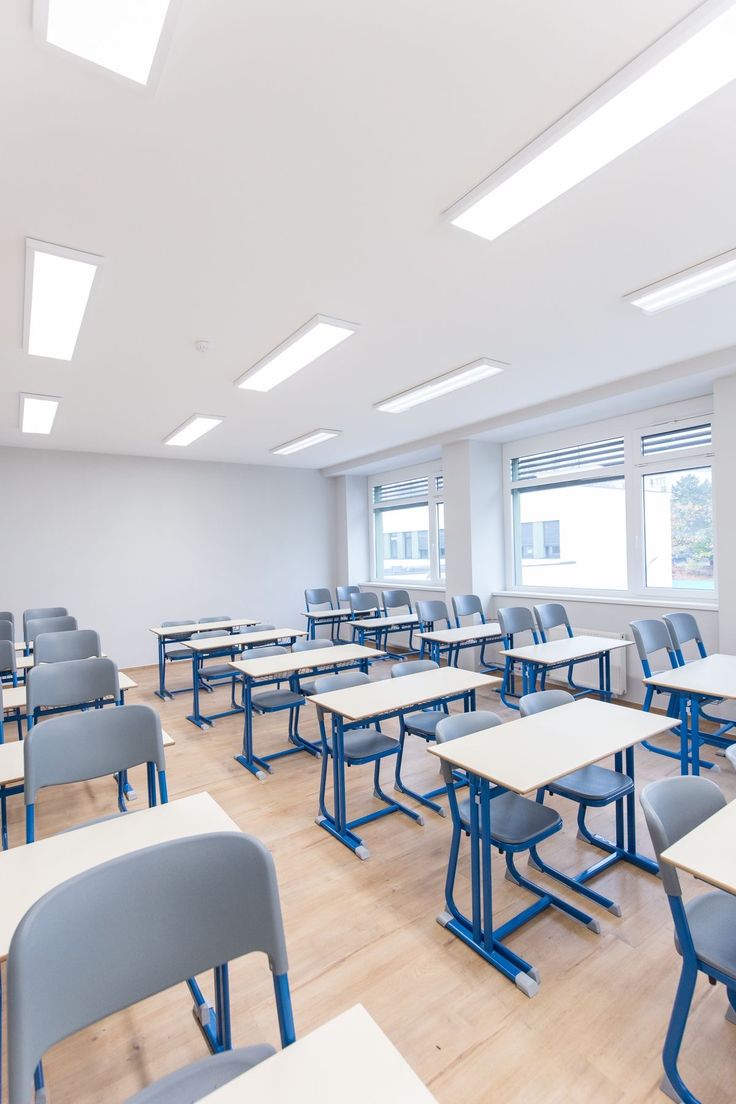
(674,1085)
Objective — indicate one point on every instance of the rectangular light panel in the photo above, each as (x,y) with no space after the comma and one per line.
(686,285)
(37,413)
(192,429)
(316,437)
(682,69)
(441,385)
(58,284)
(120,35)
(311,341)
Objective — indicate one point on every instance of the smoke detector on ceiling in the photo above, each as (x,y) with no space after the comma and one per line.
(202,346)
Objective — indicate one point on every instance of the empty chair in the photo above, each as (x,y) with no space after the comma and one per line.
(591,787)
(7,615)
(70,684)
(433,615)
(215,672)
(214,617)
(8,663)
(553,615)
(305,686)
(397,603)
(360,744)
(705,927)
(170,651)
(276,701)
(39,612)
(684,629)
(365,604)
(14,714)
(56,647)
(48,625)
(514,620)
(320,598)
(517,824)
(652,638)
(7,629)
(343,594)
(77,748)
(422,724)
(217,892)
(470,605)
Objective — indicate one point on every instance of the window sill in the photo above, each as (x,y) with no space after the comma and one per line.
(396,584)
(608,600)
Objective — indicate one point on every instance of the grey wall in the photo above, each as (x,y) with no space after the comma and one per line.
(124,542)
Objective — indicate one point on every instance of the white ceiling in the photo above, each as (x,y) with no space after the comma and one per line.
(295,158)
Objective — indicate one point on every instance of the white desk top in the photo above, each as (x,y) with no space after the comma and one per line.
(304,661)
(346,1060)
(708,851)
(20,646)
(24,663)
(14,697)
(568,648)
(267,636)
(357,702)
(29,871)
(528,753)
(713,677)
(176,630)
(464,632)
(11,760)
(325,614)
(388,622)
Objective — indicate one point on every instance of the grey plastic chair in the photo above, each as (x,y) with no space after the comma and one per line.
(396,603)
(34,614)
(592,787)
(82,746)
(705,927)
(173,653)
(683,629)
(76,644)
(317,598)
(215,617)
(70,684)
(513,621)
(470,605)
(7,629)
(422,724)
(344,592)
(49,625)
(365,604)
(652,639)
(274,701)
(433,615)
(7,615)
(553,615)
(305,686)
(217,892)
(8,663)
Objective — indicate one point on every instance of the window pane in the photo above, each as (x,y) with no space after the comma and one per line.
(573,535)
(441,536)
(678,529)
(402,543)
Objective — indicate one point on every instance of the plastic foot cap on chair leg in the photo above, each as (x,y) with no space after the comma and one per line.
(41,1096)
(444,918)
(579,835)
(420,820)
(594,926)
(615,910)
(441,812)
(362,852)
(202,1014)
(510,877)
(131,795)
(534,865)
(528,985)
(665,1086)
(731,1014)
(261,776)
(319,820)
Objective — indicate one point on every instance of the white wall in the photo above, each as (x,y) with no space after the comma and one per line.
(125,542)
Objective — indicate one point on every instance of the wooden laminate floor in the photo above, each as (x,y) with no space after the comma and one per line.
(366,932)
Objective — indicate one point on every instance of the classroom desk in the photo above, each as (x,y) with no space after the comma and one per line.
(376,702)
(523,756)
(331,617)
(466,636)
(380,627)
(347,1059)
(237,642)
(12,775)
(708,852)
(536,659)
(274,669)
(14,697)
(168,635)
(693,685)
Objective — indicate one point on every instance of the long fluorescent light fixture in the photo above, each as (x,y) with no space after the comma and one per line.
(192,429)
(316,437)
(683,68)
(685,285)
(120,35)
(311,341)
(441,385)
(58,285)
(37,413)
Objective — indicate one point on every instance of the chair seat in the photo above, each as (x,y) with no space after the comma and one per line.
(178,653)
(515,819)
(193,1082)
(276,699)
(424,724)
(712,920)
(593,784)
(307,686)
(218,670)
(365,743)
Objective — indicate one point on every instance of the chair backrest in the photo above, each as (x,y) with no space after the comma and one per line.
(344,592)
(517,619)
(543,700)
(70,682)
(304,644)
(266,650)
(7,629)
(324,684)
(396,600)
(7,615)
(462,724)
(430,612)
(76,747)
(551,615)
(364,601)
(215,617)
(178,621)
(413,667)
(651,636)
(317,597)
(467,605)
(57,646)
(682,628)
(48,625)
(262,626)
(7,657)
(672,808)
(34,614)
(217,892)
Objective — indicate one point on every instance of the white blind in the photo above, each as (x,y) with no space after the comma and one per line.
(671,440)
(407,490)
(597,454)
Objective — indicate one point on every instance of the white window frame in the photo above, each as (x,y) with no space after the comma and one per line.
(632,428)
(434,498)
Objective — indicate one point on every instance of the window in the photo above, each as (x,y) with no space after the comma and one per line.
(631,512)
(409,529)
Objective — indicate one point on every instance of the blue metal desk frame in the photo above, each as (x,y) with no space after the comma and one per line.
(686,703)
(338,616)
(337,823)
(207,720)
(362,625)
(173,637)
(530,672)
(453,657)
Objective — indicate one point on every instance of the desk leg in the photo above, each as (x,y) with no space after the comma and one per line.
(336,824)
(312,628)
(607,671)
(196,717)
(625,846)
(684,734)
(162,692)
(695,734)
(246,759)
